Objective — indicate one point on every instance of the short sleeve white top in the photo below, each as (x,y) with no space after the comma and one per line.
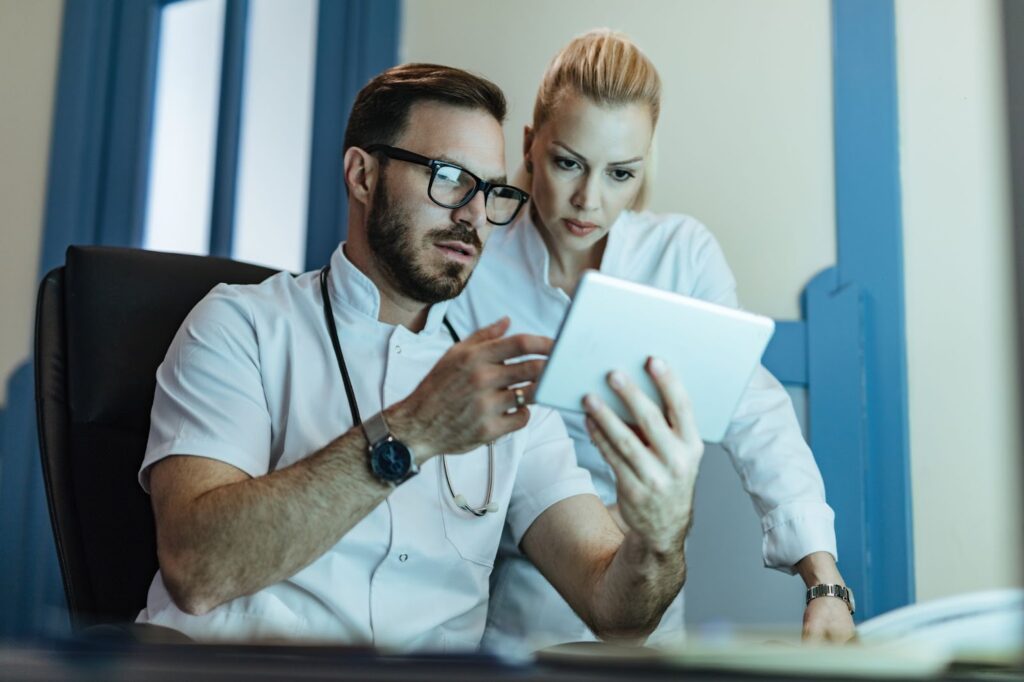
(251,380)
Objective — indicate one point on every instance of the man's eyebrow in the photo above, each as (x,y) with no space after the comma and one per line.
(494,180)
(583,158)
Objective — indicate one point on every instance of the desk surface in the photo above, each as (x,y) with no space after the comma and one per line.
(78,660)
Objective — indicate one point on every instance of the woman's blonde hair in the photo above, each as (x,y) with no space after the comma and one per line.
(608,68)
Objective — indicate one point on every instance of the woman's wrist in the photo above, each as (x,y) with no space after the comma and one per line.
(819,568)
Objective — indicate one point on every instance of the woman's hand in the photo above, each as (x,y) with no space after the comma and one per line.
(828,619)
(656,461)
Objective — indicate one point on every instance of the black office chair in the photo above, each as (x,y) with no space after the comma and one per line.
(103,324)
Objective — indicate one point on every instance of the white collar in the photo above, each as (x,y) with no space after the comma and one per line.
(349,287)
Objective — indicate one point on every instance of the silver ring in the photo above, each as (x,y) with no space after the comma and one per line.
(520,397)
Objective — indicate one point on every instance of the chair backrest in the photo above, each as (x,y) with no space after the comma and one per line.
(104,322)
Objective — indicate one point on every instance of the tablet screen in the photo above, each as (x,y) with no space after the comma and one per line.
(616,324)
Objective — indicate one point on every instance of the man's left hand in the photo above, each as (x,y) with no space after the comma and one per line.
(655,462)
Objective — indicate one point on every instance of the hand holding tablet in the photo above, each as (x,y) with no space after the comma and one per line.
(656,462)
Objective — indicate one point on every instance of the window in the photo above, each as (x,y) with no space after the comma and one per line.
(269,218)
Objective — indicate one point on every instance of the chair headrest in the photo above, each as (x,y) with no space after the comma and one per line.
(123,308)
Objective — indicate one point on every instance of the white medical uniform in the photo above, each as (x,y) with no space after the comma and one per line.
(676,253)
(251,380)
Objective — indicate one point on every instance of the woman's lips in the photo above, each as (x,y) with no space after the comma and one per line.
(578,228)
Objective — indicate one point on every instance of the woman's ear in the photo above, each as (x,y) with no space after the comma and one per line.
(360,174)
(527,146)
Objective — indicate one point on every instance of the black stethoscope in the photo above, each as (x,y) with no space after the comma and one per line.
(332,330)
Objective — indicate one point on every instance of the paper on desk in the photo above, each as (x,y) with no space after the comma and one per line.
(849,660)
(875,661)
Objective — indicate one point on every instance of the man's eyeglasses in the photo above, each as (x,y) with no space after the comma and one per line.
(452,186)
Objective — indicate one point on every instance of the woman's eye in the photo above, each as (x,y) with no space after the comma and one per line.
(622,175)
(566,163)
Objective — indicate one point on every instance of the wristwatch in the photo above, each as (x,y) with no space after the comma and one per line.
(840,591)
(390,460)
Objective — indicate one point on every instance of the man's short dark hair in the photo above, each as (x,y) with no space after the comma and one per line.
(381,110)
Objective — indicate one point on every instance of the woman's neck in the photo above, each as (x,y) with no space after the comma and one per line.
(565,267)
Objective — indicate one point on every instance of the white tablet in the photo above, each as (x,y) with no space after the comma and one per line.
(615,324)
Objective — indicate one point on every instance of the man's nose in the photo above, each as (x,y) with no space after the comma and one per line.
(473,213)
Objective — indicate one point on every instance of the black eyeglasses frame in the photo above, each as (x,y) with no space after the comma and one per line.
(435,165)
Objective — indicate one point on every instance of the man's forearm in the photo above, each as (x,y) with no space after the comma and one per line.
(655,461)
(231,535)
(239,538)
(632,594)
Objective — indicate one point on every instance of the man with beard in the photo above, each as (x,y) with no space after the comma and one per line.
(318,457)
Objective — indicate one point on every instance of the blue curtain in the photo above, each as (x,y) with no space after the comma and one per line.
(356,40)
(99,163)
(31,593)
(96,195)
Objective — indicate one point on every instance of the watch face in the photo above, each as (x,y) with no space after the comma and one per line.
(391,460)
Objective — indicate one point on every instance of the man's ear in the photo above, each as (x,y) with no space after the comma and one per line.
(361,173)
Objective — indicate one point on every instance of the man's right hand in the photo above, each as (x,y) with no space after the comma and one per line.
(467,398)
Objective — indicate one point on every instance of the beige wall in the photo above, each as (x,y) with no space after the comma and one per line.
(745,138)
(745,145)
(958,250)
(29,36)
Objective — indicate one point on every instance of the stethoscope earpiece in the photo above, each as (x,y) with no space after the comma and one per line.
(460,500)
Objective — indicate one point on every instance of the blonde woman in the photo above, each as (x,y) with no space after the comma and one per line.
(585,159)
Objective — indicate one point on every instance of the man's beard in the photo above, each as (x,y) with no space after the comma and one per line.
(398,252)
